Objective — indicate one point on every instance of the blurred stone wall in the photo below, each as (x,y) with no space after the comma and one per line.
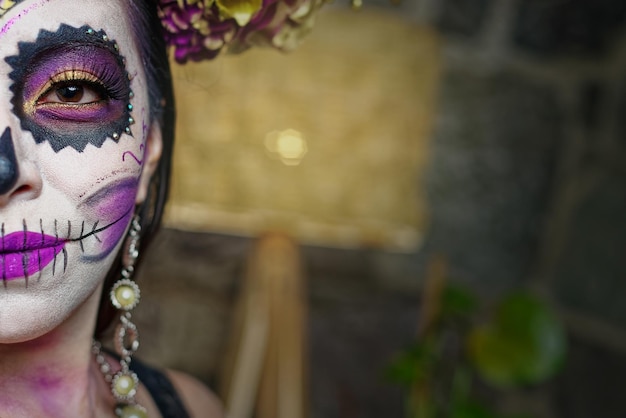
(527,181)
(526,185)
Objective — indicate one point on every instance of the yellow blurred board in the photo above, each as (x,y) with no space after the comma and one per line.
(327,143)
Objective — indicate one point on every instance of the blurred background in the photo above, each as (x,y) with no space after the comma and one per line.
(407,161)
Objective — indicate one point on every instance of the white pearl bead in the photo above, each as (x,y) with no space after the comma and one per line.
(132,411)
(125,295)
(124,385)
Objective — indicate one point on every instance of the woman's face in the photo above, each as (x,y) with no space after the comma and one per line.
(74,132)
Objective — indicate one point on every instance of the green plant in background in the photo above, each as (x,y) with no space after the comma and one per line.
(461,342)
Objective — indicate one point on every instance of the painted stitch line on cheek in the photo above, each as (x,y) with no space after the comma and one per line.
(71,88)
(26,252)
(114,206)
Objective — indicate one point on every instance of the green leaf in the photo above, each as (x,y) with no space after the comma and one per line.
(421,405)
(471,410)
(457,301)
(518,416)
(412,366)
(524,343)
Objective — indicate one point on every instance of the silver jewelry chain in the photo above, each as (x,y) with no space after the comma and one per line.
(103,364)
(127,406)
(124,296)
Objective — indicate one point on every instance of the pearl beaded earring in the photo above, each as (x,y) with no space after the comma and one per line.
(125,296)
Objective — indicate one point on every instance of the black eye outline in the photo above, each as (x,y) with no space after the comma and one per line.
(95,132)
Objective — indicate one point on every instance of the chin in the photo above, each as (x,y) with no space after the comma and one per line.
(64,302)
(19,324)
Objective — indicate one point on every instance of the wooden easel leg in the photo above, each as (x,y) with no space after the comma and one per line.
(266,364)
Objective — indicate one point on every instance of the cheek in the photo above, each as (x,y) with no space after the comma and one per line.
(112,207)
(99,187)
(81,175)
(110,237)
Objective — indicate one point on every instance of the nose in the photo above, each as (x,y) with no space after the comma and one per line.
(16,180)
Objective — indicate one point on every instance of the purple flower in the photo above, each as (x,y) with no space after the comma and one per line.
(202,29)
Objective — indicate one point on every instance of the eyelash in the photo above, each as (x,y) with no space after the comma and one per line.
(73,77)
(103,82)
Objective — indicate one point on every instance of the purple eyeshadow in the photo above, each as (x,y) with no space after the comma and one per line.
(85,118)
(77,57)
(114,207)
(112,202)
(93,60)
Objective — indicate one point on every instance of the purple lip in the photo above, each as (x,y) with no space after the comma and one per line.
(23,254)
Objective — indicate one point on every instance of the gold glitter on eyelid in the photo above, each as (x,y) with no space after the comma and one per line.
(77,76)
(71,75)
(30,104)
(6,5)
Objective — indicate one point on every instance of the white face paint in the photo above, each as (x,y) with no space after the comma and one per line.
(71,83)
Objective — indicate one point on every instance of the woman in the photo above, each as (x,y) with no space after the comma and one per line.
(81,142)
(86,133)
(86,122)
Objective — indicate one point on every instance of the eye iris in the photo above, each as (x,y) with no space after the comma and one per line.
(70,93)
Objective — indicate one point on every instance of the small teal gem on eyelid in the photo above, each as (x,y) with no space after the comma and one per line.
(130,106)
(90,31)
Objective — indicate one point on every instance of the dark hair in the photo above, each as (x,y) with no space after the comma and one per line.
(147,30)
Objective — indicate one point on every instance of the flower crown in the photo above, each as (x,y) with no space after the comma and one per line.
(201,29)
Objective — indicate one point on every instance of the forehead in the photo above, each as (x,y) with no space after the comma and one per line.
(22,20)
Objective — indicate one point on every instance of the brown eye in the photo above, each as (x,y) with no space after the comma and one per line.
(71,94)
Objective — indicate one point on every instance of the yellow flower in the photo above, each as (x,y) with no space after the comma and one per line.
(201,3)
(200,24)
(5,5)
(240,10)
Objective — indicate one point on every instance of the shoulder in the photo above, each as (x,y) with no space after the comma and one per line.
(198,399)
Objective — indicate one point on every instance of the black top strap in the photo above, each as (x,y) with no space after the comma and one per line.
(161,389)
